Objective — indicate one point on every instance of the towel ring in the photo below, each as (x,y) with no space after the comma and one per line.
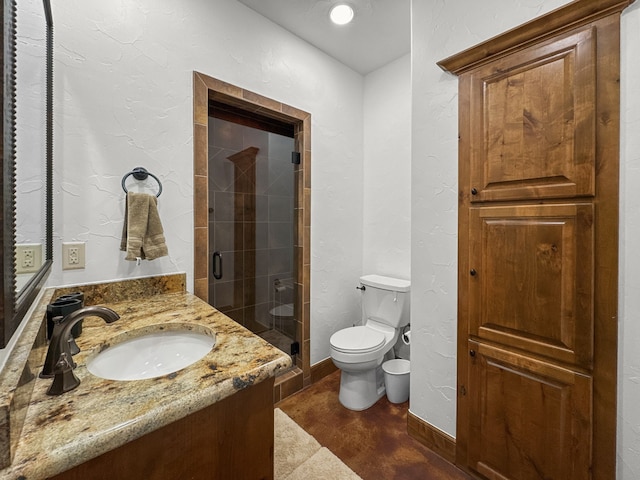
(141,173)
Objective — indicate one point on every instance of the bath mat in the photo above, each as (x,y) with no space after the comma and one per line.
(297,455)
(323,465)
(292,445)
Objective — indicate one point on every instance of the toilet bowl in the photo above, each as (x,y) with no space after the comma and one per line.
(359,351)
(284,311)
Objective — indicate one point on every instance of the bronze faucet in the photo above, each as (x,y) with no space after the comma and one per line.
(59,363)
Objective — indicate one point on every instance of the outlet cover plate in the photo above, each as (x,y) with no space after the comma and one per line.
(28,257)
(73,255)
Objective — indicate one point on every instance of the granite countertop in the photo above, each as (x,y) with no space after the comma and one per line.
(63,431)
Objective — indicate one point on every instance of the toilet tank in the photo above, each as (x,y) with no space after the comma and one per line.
(385,300)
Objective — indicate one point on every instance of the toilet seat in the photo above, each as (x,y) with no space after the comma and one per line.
(356,340)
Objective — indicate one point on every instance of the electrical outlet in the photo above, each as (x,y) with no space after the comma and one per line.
(28,257)
(72,256)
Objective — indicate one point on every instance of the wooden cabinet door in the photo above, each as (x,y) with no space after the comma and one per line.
(530,420)
(531,284)
(534,122)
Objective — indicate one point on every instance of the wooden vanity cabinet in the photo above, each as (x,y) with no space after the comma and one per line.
(538,246)
(231,439)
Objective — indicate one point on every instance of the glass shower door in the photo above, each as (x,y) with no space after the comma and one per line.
(251,229)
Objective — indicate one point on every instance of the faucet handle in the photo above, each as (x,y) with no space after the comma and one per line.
(73,346)
(64,379)
(53,353)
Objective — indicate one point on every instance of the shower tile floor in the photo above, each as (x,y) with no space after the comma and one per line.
(277,339)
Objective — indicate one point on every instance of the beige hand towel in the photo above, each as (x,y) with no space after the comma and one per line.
(142,233)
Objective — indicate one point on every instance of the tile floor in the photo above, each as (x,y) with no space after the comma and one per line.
(277,339)
(374,443)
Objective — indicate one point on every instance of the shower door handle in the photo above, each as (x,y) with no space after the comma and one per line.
(217,265)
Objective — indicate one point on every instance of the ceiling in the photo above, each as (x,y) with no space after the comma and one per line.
(378,34)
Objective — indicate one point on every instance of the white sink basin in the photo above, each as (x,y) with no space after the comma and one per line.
(138,355)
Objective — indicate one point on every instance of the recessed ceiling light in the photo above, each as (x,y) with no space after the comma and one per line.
(341,14)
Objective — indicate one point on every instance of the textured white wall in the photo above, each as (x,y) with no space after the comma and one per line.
(387,170)
(123,95)
(440,30)
(629,295)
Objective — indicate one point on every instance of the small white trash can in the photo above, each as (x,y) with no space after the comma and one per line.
(396,380)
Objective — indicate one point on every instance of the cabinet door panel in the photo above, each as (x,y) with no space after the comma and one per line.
(533,282)
(529,419)
(534,122)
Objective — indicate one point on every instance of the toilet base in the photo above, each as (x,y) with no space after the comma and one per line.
(360,390)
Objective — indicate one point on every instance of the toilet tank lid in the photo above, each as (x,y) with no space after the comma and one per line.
(386,283)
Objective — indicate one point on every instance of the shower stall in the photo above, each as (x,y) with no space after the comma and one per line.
(251,223)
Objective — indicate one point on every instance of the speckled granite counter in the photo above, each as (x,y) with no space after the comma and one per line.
(60,432)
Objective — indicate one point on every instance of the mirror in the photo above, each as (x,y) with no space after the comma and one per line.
(27,131)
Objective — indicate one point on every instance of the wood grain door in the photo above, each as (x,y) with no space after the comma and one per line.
(531,420)
(534,122)
(531,284)
(538,243)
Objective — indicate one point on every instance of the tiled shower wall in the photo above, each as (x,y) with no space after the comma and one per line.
(251,199)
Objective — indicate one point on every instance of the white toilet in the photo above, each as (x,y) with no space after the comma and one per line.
(359,351)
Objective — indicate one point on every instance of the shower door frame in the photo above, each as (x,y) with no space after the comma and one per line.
(207,88)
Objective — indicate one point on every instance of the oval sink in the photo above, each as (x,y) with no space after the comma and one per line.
(143,354)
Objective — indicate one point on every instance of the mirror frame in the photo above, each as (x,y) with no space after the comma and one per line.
(13,305)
